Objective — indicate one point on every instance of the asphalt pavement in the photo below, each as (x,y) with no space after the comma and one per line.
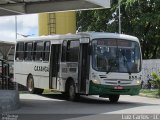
(54,106)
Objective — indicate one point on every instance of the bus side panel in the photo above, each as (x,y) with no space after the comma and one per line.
(39,71)
(68,70)
(20,79)
(41,82)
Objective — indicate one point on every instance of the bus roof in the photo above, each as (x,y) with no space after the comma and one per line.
(50,37)
(91,35)
(94,35)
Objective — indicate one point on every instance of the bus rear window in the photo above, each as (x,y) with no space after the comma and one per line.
(20,51)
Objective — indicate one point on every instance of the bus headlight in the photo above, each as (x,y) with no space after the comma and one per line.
(96,81)
(138,82)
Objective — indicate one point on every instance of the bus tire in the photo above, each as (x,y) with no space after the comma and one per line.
(30,84)
(114,98)
(31,88)
(72,95)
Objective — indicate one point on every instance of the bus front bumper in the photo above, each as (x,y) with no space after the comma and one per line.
(98,89)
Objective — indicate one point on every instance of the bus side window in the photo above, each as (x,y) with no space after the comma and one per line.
(20,51)
(68,51)
(64,51)
(73,51)
(28,51)
(39,47)
(46,51)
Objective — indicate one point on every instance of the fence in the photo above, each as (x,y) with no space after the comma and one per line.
(5,76)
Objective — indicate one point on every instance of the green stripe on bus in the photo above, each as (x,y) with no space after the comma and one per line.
(98,89)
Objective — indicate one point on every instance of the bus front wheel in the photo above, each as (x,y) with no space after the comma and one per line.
(114,98)
(73,96)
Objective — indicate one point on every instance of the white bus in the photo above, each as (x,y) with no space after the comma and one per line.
(89,63)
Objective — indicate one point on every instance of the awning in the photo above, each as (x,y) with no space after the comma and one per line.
(15,7)
(5,47)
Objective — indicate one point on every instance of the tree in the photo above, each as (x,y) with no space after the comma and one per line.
(140,18)
(144,19)
(156,81)
(94,20)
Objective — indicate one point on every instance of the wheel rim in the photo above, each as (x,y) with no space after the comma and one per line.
(30,84)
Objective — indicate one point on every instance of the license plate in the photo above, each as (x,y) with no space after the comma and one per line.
(118,87)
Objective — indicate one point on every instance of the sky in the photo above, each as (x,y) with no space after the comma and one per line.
(26,25)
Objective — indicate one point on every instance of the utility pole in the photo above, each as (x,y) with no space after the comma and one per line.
(16,27)
(16,84)
(119,9)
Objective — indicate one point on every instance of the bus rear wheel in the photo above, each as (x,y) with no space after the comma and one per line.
(30,86)
(114,98)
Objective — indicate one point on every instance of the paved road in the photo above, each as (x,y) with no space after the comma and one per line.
(87,108)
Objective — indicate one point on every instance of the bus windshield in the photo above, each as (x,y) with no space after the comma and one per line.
(116,55)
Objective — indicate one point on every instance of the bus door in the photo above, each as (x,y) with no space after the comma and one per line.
(54,64)
(83,74)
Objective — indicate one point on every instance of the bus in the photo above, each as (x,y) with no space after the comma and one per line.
(86,63)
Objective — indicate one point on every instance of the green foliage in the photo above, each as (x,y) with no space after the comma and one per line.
(92,20)
(140,18)
(144,19)
(149,93)
(156,81)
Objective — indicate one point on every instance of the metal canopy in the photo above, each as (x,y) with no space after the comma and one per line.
(15,7)
(5,47)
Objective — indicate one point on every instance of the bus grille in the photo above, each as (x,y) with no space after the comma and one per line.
(117,82)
